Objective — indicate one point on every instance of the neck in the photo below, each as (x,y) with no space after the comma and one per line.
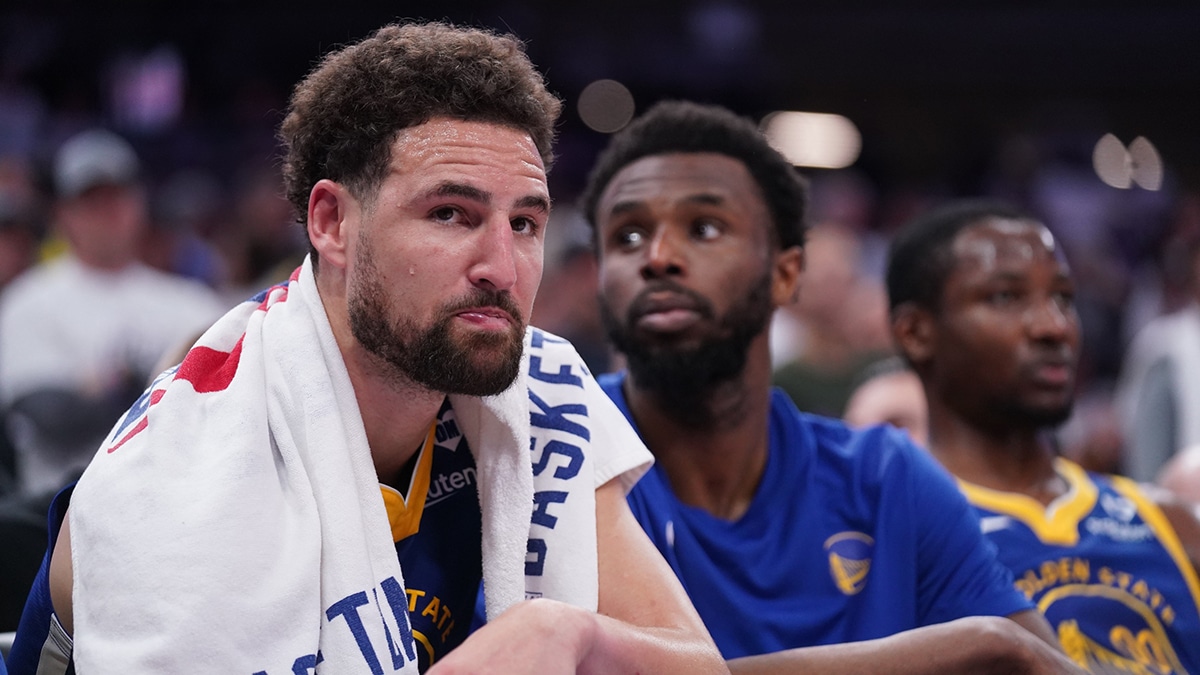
(716,466)
(1015,459)
(396,412)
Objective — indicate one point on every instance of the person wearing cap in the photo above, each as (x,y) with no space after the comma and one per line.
(81,332)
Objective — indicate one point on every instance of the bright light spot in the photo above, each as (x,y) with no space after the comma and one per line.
(817,140)
(1147,164)
(605,106)
(1112,163)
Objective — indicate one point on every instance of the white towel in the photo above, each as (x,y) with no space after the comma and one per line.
(232,521)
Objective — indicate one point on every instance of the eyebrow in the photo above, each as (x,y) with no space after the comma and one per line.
(475,194)
(702,198)
(533,202)
(463,190)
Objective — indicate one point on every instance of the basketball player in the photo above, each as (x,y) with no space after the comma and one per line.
(982,307)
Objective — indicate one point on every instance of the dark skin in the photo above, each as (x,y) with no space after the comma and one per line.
(699,221)
(998,363)
(662,227)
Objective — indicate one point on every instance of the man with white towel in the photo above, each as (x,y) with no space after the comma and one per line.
(336,467)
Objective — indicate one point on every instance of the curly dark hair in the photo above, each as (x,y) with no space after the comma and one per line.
(920,257)
(685,126)
(345,114)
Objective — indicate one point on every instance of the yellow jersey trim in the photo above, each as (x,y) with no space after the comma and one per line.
(1057,523)
(404,515)
(1157,520)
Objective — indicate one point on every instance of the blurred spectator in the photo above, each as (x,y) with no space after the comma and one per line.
(889,392)
(843,318)
(20,221)
(80,333)
(184,212)
(1181,475)
(1158,393)
(566,301)
(262,243)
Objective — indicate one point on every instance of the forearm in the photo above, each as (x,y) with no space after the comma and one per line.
(974,645)
(618,647)
(547,637)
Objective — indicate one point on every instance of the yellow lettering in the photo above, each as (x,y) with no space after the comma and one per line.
(1064,570)
(1141,590)
(1168,615)
(446,633)
(1156,599)
(432,608)
(1123,580)
(1106,576)
(1081,570)
(1049,573)
(412,598)
(445,615)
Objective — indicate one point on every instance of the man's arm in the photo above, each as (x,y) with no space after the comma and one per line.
(644,624)
(976,645)
(1183,516)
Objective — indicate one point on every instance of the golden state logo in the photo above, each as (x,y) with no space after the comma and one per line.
(1108,629)
(849,560)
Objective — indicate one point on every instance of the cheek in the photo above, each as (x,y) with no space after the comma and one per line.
(530,281)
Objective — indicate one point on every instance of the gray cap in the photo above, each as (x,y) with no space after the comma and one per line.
(91,158)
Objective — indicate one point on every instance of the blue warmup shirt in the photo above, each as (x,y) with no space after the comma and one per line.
(1106,568)
(852,535)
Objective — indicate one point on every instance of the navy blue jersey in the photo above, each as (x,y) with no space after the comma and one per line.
(1106,568)
(852,535)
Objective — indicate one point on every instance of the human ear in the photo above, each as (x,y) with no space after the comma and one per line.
(785,277)
(329,207)
(914,333)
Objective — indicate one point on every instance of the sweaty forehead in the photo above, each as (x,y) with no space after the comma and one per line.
(676,177)
(445,141)
(998,242)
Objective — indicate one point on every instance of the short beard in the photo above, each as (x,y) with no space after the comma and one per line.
(481,364)
(1040,417)
(683,379)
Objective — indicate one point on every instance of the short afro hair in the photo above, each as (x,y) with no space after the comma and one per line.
(920,258)
(345,114)
(687,127)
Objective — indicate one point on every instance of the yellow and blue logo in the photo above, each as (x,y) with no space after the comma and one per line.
(850,560)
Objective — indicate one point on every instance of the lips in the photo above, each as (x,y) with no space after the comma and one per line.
(667,310)
(1053,372)
(487,317)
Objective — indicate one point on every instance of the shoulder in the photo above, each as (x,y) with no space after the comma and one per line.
(834,438)
(1183,516)
(868,457)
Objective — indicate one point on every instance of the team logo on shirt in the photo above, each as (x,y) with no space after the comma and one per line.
(850,560)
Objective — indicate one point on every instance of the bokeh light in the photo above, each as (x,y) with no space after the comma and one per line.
(606,106)
(816,140)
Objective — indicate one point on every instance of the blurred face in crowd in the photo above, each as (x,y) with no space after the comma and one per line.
(687,268)
(894,398)
(1007,335)
(448,256)
(105,224)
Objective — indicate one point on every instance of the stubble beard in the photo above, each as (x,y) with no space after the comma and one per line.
(477,364)
(682,379)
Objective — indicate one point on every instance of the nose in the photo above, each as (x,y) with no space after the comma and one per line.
(1051,320)
(664,255)
(496,265)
